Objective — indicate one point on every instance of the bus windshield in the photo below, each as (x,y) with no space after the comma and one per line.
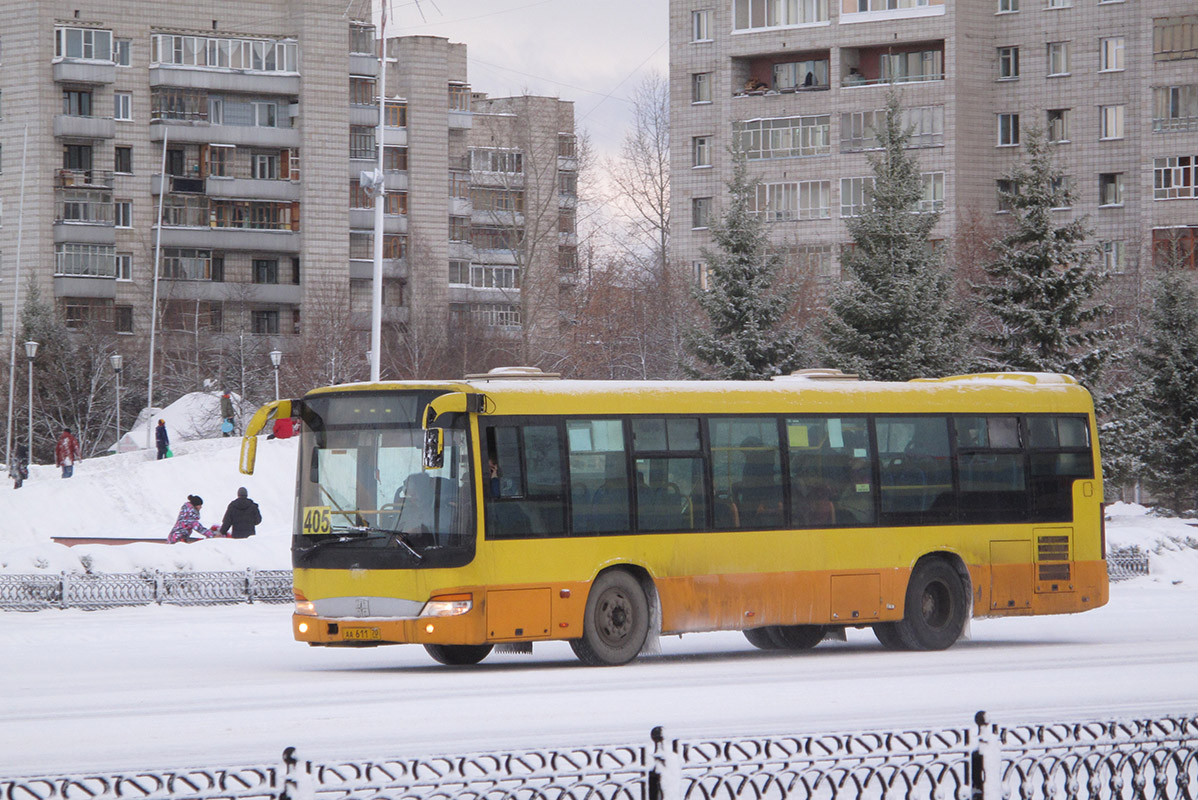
(362,484)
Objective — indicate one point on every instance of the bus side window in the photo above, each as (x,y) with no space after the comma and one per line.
(598,476)
(1060,454)
(531,498)
(830,472)
(916,470)
(746,466)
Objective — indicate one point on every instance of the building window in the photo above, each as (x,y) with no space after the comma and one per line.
(266,115)
(855,196)
(1175,248)
(933,192)
(168,102)
(76,102)
(1110,54)
(1175,178)
(362,91)
(264,166)
(186,263)
(1061,194)
(459,273)
(924,124)
(1006,190)
(567,259)
(88,260)
(1008,63)
(1110,121)
(1058,125)
(1175,38)
(83,43)
(699,273)
(361,39)
(700,212)
(459,229)
(803,200)
(510,162)
(921,65)
(489,199)
(265,321)
(1058,58)
(122,50)
(701,151)
(395,204)
(784,137)
(266,270)
(802,75)
(1060,3)
(566,222)
(83,312)
(491,277)
(122,319)
(1008,6)
(123,213)
(567,184)
(122,106)
(701,26)
(395,115)
(701,87)
(361,142)
(220,160)
(1110,189)
(124,266)
(1008,130)
(1112,256)
(395,159)
(1175,108)
(254,55)
(216,111)
(755,14)
(123,160)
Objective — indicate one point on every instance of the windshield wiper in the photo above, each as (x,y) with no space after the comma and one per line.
(325,542)
(397,537)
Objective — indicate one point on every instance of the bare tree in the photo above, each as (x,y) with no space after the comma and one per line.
(640,176)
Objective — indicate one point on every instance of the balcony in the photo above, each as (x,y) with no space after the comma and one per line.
(232,239)
(363,219)
(247,82)
(84,71)
(83,177)
(886,10)
(913,62)
(240,135)
(84,127)
(250,189)
(363,64)
(393,268)
(781,73)
(461,120)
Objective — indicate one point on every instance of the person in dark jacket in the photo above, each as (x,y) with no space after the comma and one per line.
(241,515)
(162,439)
(226,414)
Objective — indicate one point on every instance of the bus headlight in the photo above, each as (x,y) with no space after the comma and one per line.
(303,606)
(450,605)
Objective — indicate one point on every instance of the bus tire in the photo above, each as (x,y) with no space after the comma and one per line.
(798,637)
(888,635)
(616,623)
(458,655)
(761,638)
(936,606)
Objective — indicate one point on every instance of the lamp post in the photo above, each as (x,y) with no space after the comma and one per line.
(115,360)
(276,358)
(30,354)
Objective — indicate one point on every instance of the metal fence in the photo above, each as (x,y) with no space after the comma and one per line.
(112,590)
(1124,564)
(1129,759)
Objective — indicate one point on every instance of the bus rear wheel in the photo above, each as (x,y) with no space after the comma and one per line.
(798,637)
(458,655)
(616,623)
(936,606)
(762,638)
(888,635)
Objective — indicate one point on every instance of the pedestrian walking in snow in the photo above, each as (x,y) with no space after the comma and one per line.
(189,521)
(20,467)
(226,414)
(241,516)
(162,439)
(66,452)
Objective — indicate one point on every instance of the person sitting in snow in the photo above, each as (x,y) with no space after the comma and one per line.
(188,521)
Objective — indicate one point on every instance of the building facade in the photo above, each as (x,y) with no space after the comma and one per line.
(243,130)
(798,85)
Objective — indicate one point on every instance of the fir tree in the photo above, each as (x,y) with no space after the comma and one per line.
(894,316)
(1041,289)
(745,338)
(1167,361)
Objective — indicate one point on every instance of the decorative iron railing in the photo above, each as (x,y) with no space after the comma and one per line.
(112,590)
(1127,563)
(1130,759)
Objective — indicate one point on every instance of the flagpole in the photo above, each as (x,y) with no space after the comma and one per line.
(380,197)
(16,308)
(166,131)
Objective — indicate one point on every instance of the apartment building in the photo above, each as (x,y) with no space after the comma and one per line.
(243,128)
(799,84)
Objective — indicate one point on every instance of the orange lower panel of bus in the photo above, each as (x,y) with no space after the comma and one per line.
(723,602)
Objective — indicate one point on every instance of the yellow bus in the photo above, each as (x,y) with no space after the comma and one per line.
(515,507)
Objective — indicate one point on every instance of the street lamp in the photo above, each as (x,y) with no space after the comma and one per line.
(115,360)
(30,354)
(276,358)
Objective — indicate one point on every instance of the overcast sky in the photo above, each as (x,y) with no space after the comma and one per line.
(593,53)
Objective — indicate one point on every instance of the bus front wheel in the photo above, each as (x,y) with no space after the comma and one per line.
(936,606)
(616,623)
(762,638)
(798,637)
(458,655)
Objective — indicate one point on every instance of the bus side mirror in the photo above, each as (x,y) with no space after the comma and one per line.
(434,448)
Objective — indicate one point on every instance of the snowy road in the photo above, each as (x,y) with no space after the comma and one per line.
(159,687)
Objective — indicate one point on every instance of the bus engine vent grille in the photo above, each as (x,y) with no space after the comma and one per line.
(1052,557)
